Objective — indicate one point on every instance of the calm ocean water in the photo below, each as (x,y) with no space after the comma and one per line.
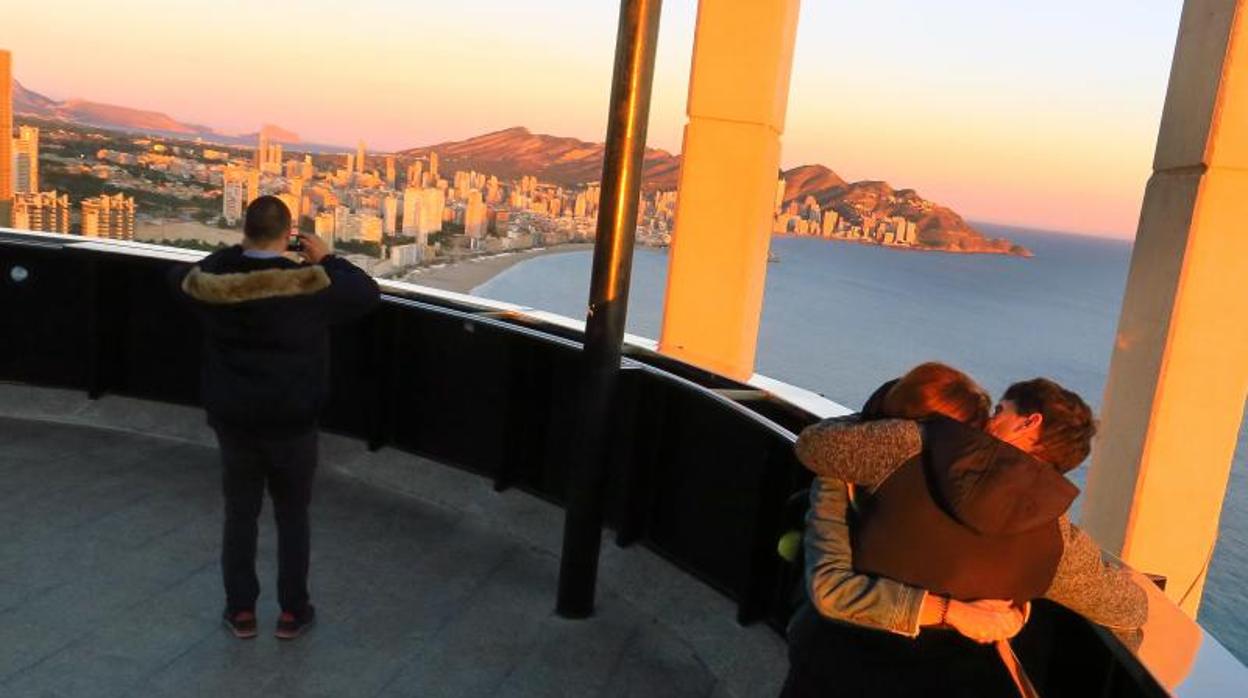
(841,318)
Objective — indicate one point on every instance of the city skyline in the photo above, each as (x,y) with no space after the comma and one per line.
(1056,131)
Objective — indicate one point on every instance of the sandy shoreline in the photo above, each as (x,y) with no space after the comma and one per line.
(462,277)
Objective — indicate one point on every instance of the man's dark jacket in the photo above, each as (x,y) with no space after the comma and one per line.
(266,334)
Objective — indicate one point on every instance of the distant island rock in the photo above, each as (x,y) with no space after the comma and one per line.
(939,228)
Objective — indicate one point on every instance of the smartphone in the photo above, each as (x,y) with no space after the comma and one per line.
(294,243)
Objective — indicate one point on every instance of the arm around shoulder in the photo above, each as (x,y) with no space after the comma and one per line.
(1103,592)
(861,452)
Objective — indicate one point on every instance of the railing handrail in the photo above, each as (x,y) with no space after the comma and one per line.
(438,299)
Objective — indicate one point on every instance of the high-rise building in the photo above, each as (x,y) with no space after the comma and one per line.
(359,157)
(493,191)
(6,138)
(461,183)
(292,205)
(26,160)
(340,220)
(350,163)
(413,174)
(406,255)
(107,216)
(364,227)
(411,211)
(232,200)
(253,187)
(324,225)
(262,149)
(272,163)
(432,205)
(433,166)
(46,212)
(389,214)
(475,215)
(830,219)
(390,173)
(308,169)
(295,188)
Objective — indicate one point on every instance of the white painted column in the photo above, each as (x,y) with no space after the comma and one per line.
(738,93)
(1179,373)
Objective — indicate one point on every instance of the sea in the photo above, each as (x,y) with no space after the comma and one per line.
(840,318)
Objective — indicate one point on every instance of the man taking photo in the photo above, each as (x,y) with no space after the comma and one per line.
(265,378)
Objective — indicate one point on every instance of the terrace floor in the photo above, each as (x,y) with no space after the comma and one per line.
(427,582)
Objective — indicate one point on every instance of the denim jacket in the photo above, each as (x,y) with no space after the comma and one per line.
(835,590)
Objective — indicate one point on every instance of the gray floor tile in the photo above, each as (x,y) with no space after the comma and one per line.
(427,582)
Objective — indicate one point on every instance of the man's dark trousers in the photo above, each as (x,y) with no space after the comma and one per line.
(287,465)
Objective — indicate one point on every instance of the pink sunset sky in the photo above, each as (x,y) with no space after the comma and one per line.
(1034,114)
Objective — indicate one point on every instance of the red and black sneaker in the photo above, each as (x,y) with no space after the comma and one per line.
(291,626)
(241,623)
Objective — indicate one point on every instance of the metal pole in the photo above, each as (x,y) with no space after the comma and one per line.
(608,302)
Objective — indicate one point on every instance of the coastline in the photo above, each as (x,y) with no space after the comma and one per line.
(1026,254)
(465,275)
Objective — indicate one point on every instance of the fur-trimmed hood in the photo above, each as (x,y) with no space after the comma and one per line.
(240,287)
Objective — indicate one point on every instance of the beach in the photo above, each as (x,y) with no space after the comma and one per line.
(461,275)
(465,275)
(159,231)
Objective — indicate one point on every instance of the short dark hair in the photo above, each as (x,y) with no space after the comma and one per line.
(267,219)
(1068,427)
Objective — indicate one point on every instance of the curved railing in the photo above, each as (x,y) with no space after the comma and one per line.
(702,464)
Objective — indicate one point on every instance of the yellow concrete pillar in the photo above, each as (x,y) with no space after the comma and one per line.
(738,93)
(1179,372)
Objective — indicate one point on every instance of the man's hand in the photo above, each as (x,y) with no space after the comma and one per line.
(314,248)
(985,621)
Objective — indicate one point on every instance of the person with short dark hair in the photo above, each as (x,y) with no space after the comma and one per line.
(265,379)
(1046,420)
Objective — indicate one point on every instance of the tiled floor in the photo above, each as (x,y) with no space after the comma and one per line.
(110,586)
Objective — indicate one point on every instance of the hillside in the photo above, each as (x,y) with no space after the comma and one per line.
(515,152)
(110,116)
(939,228)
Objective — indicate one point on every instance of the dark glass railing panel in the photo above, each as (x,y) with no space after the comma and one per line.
(44,318)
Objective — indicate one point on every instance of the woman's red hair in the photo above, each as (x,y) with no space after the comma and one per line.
(935,388)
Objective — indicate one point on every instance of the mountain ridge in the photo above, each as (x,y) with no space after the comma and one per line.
(102,115)
(517,151)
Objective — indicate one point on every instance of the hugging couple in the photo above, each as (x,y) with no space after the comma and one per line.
(934,520)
